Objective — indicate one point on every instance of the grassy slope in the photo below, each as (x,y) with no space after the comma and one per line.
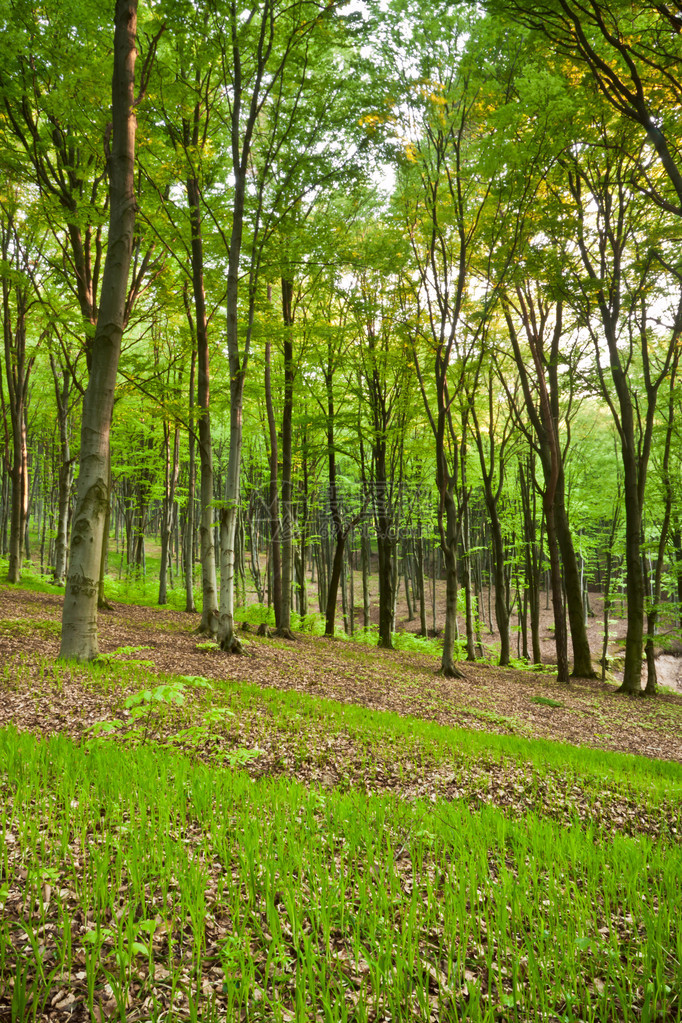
(382,866)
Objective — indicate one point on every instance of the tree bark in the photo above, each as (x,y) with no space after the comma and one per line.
(65,470)
(287,423)
(449,537)
(209,585)
(191,486)
(17,374)
(273,500)
(79,618)
(172,469)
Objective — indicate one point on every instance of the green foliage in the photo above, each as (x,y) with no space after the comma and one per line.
(490,899)
(152,715)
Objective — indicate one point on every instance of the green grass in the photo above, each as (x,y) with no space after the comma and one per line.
(136,879)
(546,701)
(280,902)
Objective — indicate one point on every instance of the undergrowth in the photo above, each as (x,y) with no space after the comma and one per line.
(276,901)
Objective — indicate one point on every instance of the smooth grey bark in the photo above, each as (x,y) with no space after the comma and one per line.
(287,440)
(15,254)
(544,420)
(422,583)
(275,560)
(62,391)
(172,469)
(449,528)
(531,553)
(228,515)
(334,507)
(492,492)
(466,577)
(188,553)
(668,495)
(209,584)
(79,617)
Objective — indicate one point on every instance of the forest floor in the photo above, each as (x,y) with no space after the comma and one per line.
(525,703)
(458,848)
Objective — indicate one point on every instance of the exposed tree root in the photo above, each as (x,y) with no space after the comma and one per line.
(451,671)
(626,691)
(285,634)
(231,645)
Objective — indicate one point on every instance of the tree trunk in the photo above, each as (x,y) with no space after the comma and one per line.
(422,584)
(209,585)
(582,658)
(668,495)
(79,618)
(168,507)
(531,557)
(466,573)
(560,638)
(365,554)
(17,372)
(191,486)
(287,420)
(104,560)
(228,523)
(65,470)
(333,588)
(632,671)
(386,548)
(449,539)
(273,501)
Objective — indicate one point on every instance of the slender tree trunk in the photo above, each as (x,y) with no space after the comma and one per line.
(191,487)
(365,554)
(466,579)
(209,585)
(273,501)
(501,605)
(228,523)
(65,470)
(582,658)
(385,546)
(632,673)
(532,570)
(422,584)
(449,540)
(409,596)
(19,507)
(287,421)
(333,587)
(171,478)
(676,537)
(17,372)
(668,495)
(79,618)
(334,507)
(102,601)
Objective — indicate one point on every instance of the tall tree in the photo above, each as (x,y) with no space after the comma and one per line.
(18,248)
(620,274)
(79,618)
(447,202)
(269,58)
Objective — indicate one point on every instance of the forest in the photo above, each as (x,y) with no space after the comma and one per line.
(340,510)
(371,282)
